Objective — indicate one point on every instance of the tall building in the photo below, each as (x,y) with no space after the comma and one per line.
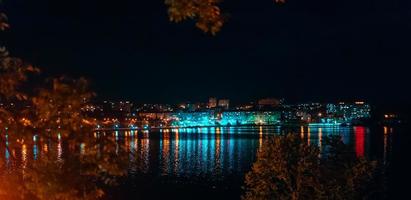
(124,106)
(111,108)
(349,111)
(224,103)
(212,102)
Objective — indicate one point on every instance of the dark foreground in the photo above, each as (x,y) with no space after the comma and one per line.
(207,164)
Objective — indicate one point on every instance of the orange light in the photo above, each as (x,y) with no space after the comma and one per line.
(302,131)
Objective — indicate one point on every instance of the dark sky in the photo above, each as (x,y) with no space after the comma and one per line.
(304,50)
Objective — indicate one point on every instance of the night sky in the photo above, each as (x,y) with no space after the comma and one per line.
(304,50)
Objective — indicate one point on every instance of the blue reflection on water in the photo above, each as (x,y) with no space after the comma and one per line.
(213,152)
(35,151)
(206,153)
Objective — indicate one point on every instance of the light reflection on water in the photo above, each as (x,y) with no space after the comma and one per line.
(210,152)
(387,142)
(216,152)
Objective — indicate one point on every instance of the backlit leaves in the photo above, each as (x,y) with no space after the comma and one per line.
(289,168)
(51,113)
(207,14)
(58,106)
(14,72)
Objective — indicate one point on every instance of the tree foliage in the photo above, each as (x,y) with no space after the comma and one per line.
(207,13)
(289,168)
(286,168)
(50,114)
(60,105)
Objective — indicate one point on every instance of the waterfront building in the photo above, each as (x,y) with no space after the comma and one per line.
(212,102)
(224,103)
(211,118)
(348,112)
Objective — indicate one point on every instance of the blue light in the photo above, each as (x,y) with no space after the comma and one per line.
(7,155)
(35,151)
(203,119)
(324,124)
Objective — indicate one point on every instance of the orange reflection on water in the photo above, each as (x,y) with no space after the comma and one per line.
(385,130)
(320,137)
(176,152)
(126,141)
(135,144)
(260,141)
(387,142)
(308,135)
(59,151)
(45,148)
(145,152)
(302,132)
(165,151)
(82,148)
(217,150)
(24,156)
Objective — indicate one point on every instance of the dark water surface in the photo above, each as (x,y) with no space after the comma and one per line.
(207,163)
(210,163)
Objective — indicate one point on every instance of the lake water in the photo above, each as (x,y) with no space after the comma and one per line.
(206,163)
(211,163)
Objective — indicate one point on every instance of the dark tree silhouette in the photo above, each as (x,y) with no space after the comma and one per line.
(51,113)
(289,168)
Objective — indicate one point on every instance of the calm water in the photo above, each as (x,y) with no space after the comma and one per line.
(211,162)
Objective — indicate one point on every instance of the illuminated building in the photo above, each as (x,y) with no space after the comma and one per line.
(348,112)
(124,106)
(118,109)
(302,113)
(218,113)
(212,102)
(155,108)
(304,116)
(195,119)
(224,103)
(187,106)
(391,119)
(249,106)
